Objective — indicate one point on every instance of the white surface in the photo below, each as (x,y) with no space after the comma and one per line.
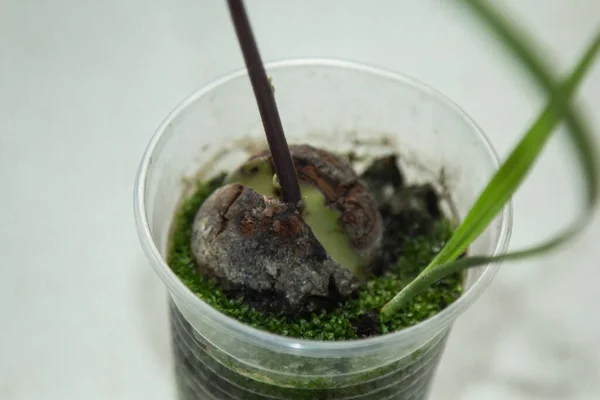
(84,84)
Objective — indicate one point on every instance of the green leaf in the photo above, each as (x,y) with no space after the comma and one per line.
(516,167)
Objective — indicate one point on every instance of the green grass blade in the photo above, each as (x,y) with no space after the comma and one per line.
(511,174)
(517,165)
(521,46)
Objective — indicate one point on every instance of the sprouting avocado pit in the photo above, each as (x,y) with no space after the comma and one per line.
(290,258)
(413,229)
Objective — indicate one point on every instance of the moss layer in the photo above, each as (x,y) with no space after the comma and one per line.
(340,323)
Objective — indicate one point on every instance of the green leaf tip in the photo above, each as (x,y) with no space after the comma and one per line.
(513,171)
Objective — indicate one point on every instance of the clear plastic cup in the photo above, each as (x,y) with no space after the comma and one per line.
(339,106)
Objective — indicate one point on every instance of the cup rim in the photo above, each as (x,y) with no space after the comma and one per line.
(283,344)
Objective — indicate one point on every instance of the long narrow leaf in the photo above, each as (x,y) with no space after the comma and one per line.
(518,43)
(516,167)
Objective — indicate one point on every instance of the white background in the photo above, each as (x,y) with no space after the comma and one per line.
(83,85)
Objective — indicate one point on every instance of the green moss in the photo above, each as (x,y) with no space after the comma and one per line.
(335,324)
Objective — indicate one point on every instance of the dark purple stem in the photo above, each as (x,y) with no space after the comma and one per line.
(284,166)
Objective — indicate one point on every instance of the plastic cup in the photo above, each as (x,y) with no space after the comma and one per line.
(335,105)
